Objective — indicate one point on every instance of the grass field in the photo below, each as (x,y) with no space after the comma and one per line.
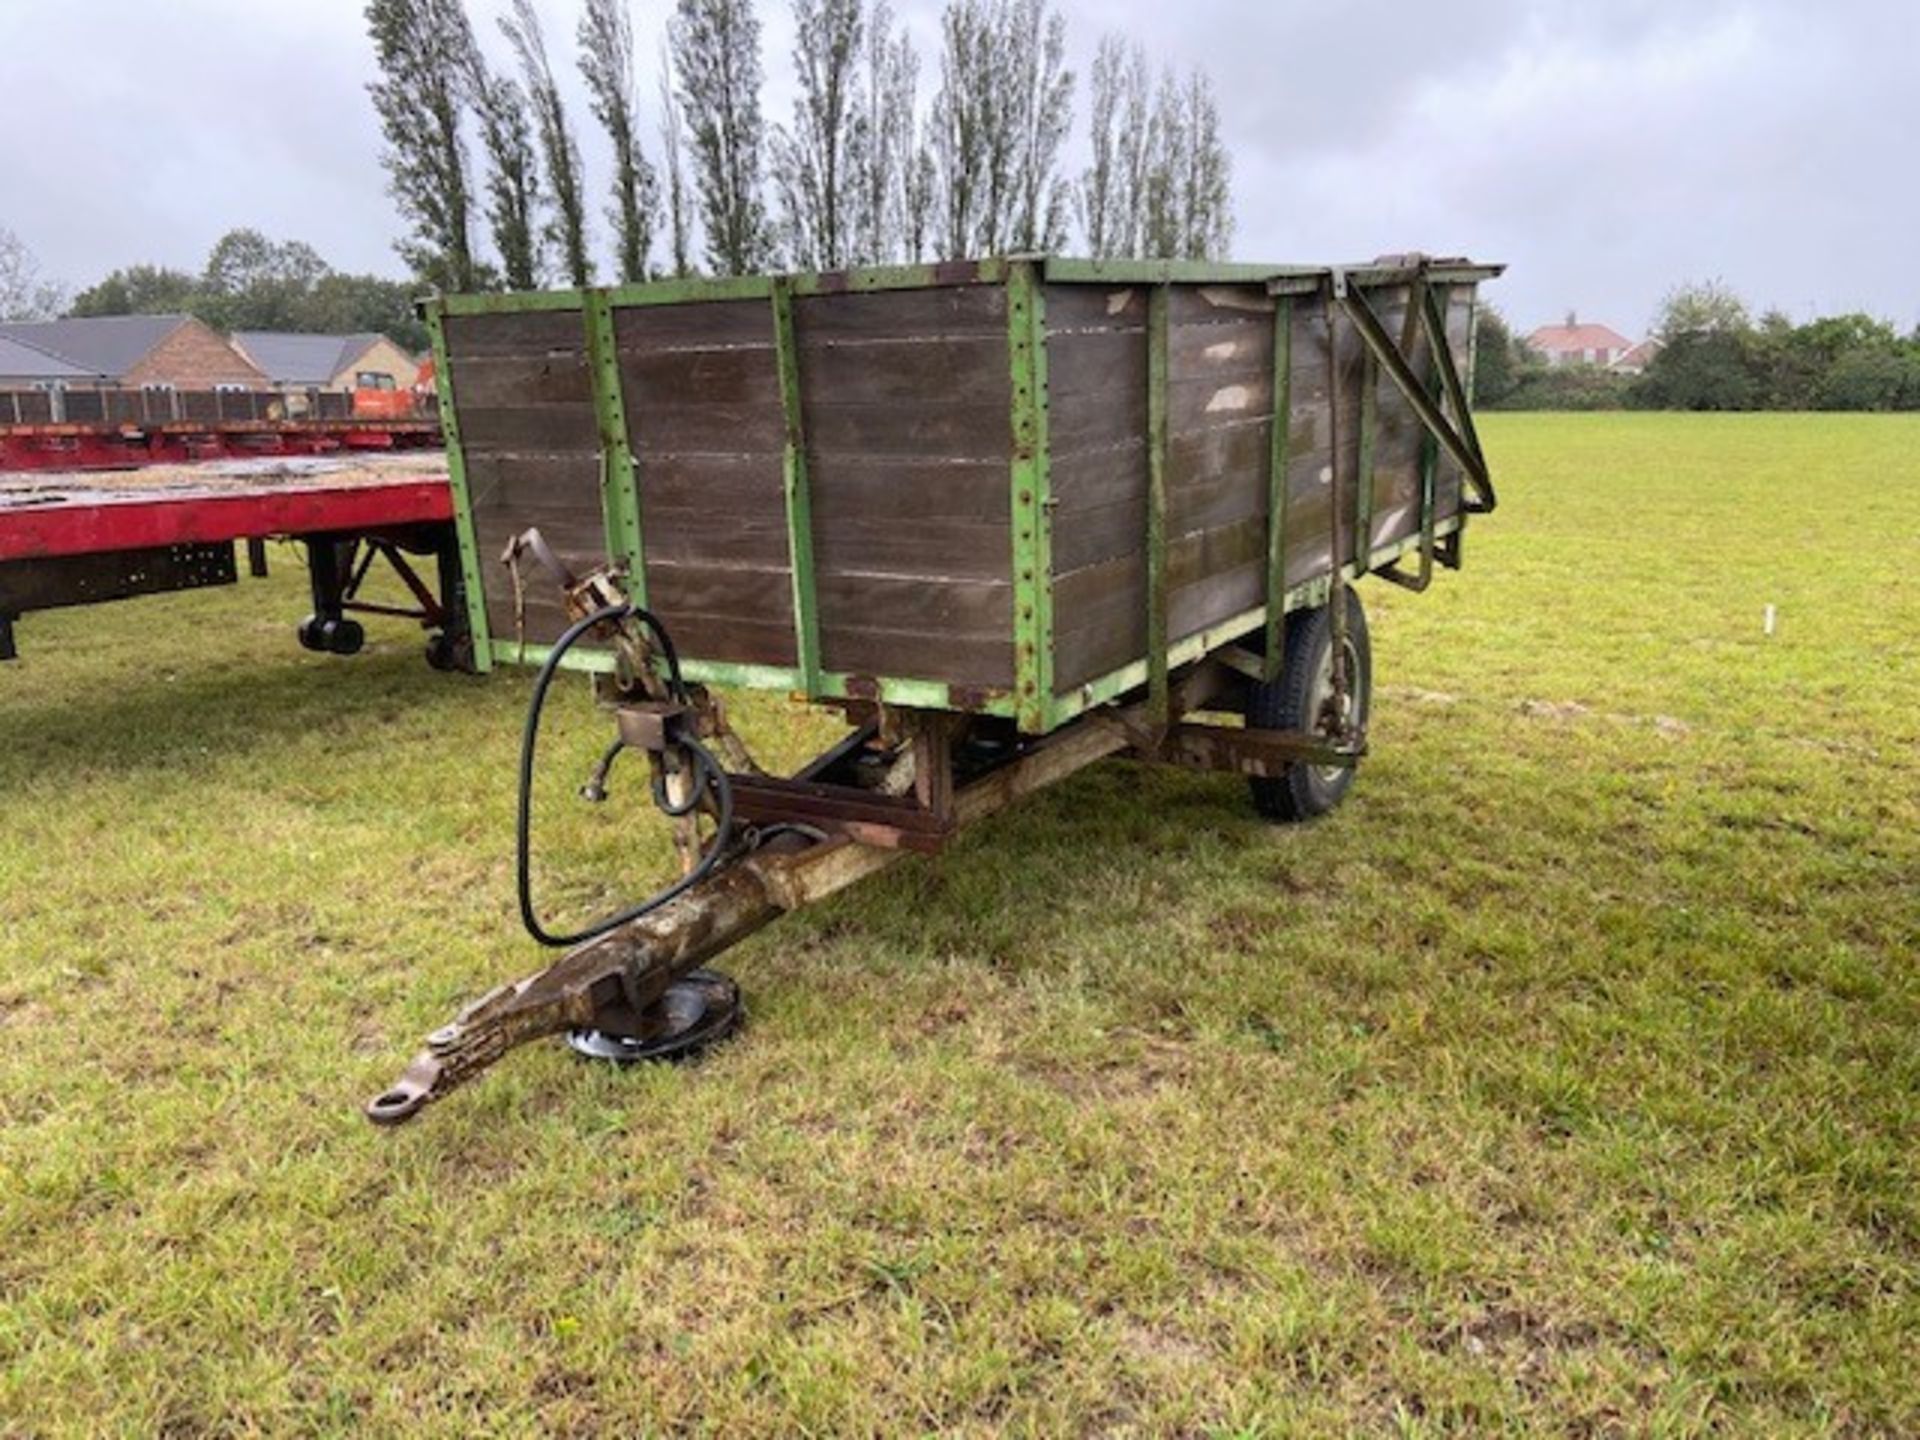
(1568,1080)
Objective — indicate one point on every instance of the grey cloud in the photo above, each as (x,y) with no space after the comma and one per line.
(1605,148)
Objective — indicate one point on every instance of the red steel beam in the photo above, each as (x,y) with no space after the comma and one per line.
(91,521)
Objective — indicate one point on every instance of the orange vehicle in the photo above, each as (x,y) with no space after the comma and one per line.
(370,404)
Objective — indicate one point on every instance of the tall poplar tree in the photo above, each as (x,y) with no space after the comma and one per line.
(557,145)
(999,120)
(422,48)
(673,157)
(513,172)
(716,54)
(815,161)
(606,63)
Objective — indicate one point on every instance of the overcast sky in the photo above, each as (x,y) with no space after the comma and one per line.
(1605,149)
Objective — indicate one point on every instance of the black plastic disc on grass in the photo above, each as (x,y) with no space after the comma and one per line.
(698,1010)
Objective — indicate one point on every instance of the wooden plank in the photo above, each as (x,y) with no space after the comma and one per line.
(532,429)
(907,602)
(916,432)
(1073,308)
(539,378)
(672,378)
(904,370)
(1207,305)
(1108,364)
(980,661)
(514,334)
(934,552)
(648,330)
(979,310)
(692,429)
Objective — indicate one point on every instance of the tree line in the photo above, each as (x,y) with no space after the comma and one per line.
(1713,355)
(249,282)
(863,172)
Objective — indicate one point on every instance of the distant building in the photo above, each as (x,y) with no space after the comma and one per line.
(1637,358)
(327,362)
(24,367)
(1577,344)
(136,352)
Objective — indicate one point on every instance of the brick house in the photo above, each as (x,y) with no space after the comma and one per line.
(1576,344)
(328,362)
(24,367)
(138,352)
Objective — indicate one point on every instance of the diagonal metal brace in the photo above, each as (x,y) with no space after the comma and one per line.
(1461,442)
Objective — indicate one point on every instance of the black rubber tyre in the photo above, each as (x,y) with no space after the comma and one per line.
(1306,792)
(343,637)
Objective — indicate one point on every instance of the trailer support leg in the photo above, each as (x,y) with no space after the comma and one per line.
(329,564)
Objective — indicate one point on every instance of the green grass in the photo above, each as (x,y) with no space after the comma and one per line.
(1567,1080)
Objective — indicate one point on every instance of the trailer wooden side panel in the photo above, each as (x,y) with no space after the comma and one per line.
(933,485)
(701,388)
(532,455)
(906,400)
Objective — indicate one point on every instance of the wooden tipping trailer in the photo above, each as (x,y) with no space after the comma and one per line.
(1010,517)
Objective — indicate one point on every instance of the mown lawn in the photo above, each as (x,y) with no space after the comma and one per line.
(1568,1080)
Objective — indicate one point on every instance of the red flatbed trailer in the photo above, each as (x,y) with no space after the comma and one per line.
(124,429)
(65,447)
(76,540)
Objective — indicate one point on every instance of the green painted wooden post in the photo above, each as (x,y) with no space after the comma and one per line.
(471,579)
(1277,487)
(806,613)
(619,486)
(1430,455)
(1032,501)
(1363,480)
(1159,692)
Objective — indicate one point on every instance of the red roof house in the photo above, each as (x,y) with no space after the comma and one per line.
(1577,344)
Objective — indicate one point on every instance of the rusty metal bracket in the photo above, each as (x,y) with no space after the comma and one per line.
(1462,442)
(1262,754)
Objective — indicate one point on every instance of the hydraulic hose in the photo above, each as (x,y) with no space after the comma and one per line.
(708,772)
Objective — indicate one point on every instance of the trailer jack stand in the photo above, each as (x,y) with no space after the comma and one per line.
(697,1011)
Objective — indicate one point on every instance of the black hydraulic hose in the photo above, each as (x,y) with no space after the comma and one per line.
(707,772)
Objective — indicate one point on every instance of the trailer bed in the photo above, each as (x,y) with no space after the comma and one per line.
(80,539)
(1005,487)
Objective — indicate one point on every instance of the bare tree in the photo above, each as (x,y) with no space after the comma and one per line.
(1111,187)
(999,120)
(1206,187)
(815,161)
(513,172)
(919,180)
(961,129)
(889,218)
(672,154)
(1162,226)
(557,145)
(1037,97)
(716,53)
(1187,200)
(606,63)
(23,294)
(422,47)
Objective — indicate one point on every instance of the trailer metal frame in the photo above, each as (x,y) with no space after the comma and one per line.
(923,760)
(64,545)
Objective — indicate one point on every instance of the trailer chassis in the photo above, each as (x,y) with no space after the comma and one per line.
(902,782)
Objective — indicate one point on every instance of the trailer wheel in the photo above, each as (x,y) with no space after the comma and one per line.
(1302,699)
